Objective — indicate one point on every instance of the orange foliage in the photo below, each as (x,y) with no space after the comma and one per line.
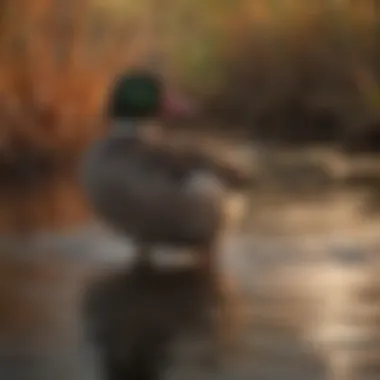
(54,75)
(57,60)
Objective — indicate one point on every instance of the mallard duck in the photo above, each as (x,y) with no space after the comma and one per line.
(152,194)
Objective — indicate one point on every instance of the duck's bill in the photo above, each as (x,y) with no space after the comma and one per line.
(177,106)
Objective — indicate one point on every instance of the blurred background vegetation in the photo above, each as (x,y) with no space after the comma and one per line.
(291,71)
(287,69)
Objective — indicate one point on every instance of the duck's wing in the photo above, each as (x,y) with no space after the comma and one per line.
(181,163)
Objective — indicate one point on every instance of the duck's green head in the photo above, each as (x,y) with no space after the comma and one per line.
(141,95)
(136,95)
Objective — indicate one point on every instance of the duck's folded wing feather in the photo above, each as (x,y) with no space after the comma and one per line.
(182,163)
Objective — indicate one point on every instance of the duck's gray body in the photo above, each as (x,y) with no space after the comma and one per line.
(154,195)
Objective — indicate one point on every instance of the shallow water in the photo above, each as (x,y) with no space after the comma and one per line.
(283,280)
(301,267)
